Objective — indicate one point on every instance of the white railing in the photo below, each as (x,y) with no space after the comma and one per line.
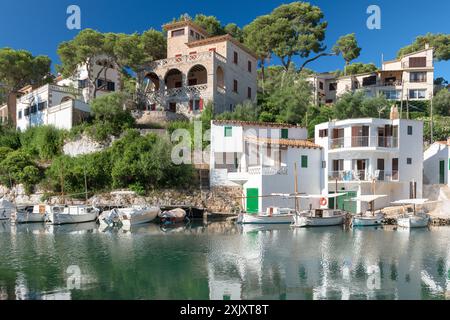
(363,175)
(268,171)
(364,141)
(51,87)
(195,57)
(190,91)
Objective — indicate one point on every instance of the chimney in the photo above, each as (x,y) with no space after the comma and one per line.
(394,113)
(427,46)
(448,141)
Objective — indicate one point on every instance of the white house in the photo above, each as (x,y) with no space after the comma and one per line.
(436,163)
(367,156)
(261,157)
(64,103)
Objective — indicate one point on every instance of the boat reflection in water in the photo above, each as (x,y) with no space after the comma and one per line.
(223,261)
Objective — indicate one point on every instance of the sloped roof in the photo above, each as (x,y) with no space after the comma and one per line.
(216,39)
(297,143)
(256,123)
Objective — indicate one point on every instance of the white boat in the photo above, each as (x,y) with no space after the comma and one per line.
(32,214)
(6,209)
(415,219)
(71,214)
(319,217)
(173,216)
(370,218)
(129,216)
(273,215)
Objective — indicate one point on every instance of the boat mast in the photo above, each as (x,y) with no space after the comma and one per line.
(296,187)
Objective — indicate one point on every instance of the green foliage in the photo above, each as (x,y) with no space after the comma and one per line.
(441,103)
(9,137)
(44,142)
(19,68)
(357,105)
(317,115)
(357,68)
(348,47)
(18,168)
(4,151)
(234,30)
(246,111)
(110,118)
(441,128)
(439,41)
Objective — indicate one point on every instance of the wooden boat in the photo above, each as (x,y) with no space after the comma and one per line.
(31,214)
(129,216)
(370,218)
(72,214)
(320,217)
(273,215)
(6,209)
(415,219)
(173,216)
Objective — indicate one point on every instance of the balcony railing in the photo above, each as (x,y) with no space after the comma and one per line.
(194,57)
(364,141)
(363,175)
(268,171)
(77,93)
(181,92)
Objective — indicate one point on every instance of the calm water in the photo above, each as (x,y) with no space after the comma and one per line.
(222,261)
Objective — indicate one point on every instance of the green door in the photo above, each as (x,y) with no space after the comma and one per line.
(344,203)
(442,171)
(252,200)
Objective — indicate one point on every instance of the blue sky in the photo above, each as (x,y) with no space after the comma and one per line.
(39,26)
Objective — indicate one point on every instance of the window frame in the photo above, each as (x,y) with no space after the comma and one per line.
(304,162)
(228,131)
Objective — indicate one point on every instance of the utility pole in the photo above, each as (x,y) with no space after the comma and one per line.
(401,101)
(407,108)
(85,184)
(431,116)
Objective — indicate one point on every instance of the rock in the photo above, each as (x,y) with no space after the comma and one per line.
(83,145)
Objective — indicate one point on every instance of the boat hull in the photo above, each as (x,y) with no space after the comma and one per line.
(62,218)
(24,217)
(5,214)
(413,222)
(265,219)
(138,216)
(305,221)
(367,221)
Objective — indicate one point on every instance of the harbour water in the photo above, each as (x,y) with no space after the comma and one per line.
(222,261)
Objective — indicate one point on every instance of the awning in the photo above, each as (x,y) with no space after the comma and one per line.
(320,196)
(368,198)
(411,201)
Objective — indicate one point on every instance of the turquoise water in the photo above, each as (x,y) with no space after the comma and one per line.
(222,261)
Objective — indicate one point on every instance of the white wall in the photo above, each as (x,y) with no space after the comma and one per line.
(432,156)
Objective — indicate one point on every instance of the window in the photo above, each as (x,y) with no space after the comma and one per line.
(42,105)
(235,86)
(332,86)
(304,161)
(321,85)
(235,57)
(417,93)
(195,105)
(177,33)
(408,160)
(33,108)
(415,62)
(418,77)
(249,92)
(249,66)
(192,33)
(284,133)
(173,106)
(83,84)
(391,94)
(26,112)
(212,49)
(323,133)
(111,86)
(410,130)
(369,81)
(20,114)
(228,131)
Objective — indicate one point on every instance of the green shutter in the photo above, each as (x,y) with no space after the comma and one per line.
(304,161)
(228,131)
(442,171)
(284,134)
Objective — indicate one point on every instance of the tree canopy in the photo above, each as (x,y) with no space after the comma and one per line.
(19,68)
(439,41)
(348,47)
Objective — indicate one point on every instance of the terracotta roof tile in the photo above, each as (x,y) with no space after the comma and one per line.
(256,123)
(285,142)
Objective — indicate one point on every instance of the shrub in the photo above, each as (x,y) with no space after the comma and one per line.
(18,168)
(44,142)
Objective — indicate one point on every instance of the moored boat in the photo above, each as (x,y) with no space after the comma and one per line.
(273,215)
(319,217)
(173,216)
(31,214)
(71,214)
(6,209)
(129,216)
(415,219)
(370,218)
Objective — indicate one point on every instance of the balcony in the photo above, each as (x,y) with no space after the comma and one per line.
(363,175)
(189,58)
(187,92)
(75,92)
(363,141)
(414,65)
(268,171)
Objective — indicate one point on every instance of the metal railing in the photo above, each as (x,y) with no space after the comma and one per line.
(363,175)
(188,58)
(268,171)
(364,141)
